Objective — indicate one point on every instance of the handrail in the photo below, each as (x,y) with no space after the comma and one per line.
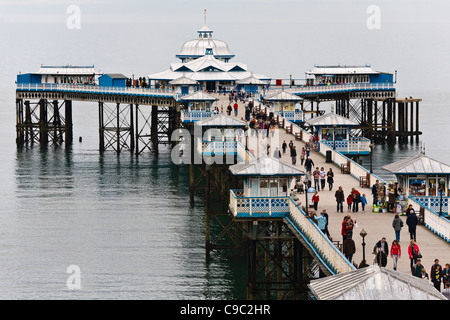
(325,250)
(439,225)
(92,89)
(329,255)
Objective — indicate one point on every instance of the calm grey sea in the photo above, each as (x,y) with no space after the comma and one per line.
(126,221)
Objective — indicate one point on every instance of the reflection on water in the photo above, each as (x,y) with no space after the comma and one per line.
(124,220)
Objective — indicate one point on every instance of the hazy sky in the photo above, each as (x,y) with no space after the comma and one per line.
(277,38)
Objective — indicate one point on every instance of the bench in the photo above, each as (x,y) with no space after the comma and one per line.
(364,182)
(345,168)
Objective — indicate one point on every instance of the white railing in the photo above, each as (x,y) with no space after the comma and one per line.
(325,250)
(356,170)
(94,89)
(296,116)
(244,207)
(192,116)
(355,145)
(340,88)
(432,220)
(433,202)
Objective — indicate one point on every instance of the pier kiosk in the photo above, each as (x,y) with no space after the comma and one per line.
(287,105)
(421,176)
(334,130)
(222,135)
(197,105)
(267,185)
(251,84)
(184,85)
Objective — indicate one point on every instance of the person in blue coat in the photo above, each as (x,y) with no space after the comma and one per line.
(363,201)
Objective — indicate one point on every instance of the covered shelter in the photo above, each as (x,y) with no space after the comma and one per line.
(197,105)
(334,131)
(184,85)
(421,175)
(373,283)
(286,104)
(252,84)
(267,177)
(342,74)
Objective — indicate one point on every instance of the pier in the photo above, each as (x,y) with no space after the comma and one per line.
(253,212)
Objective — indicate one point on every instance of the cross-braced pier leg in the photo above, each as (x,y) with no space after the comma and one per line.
(43,122)
(116,127)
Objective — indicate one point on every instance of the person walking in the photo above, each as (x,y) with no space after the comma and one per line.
(284,146)
(294,155)
(396,253)
(330,179)
(309,164)
(316,175)
(315,200)
(375,192)
(381,250)
(412,221)
(436,274)
(363,202)
(349,249)
(344,228)
(349,227)
(446,291)
(235,107)
(356,198)
(323,176)
(327,232)
(397,224)
(349,202)
(302,155)
(340,197)
(413,252)
(446,274)
(410,210)
(418,268)
(321,221)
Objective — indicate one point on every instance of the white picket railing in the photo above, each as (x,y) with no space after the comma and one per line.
(439,225)
(80,88)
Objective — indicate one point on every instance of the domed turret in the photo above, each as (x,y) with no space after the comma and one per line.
(203,45)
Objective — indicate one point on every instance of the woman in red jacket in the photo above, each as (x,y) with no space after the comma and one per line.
(396,252)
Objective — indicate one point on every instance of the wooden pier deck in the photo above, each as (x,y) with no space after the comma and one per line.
(377,225)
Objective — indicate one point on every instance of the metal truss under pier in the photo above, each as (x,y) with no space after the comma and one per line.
(131,122)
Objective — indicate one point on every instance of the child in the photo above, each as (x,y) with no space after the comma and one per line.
(315,200)
(363,202)
(349,202)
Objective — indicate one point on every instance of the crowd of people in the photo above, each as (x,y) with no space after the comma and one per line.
(321,179)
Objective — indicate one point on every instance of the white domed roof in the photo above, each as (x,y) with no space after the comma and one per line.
(197,48)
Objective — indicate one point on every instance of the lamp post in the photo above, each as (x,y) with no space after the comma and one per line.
(306,195)
(363,234)
(441,191)
(371,149)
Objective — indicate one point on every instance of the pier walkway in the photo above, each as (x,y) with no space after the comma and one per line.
(377,225)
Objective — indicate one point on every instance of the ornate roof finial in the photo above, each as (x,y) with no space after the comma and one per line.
(205,32)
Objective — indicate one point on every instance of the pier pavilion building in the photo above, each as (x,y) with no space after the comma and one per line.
(328,75)
(60,75)
(207,60)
